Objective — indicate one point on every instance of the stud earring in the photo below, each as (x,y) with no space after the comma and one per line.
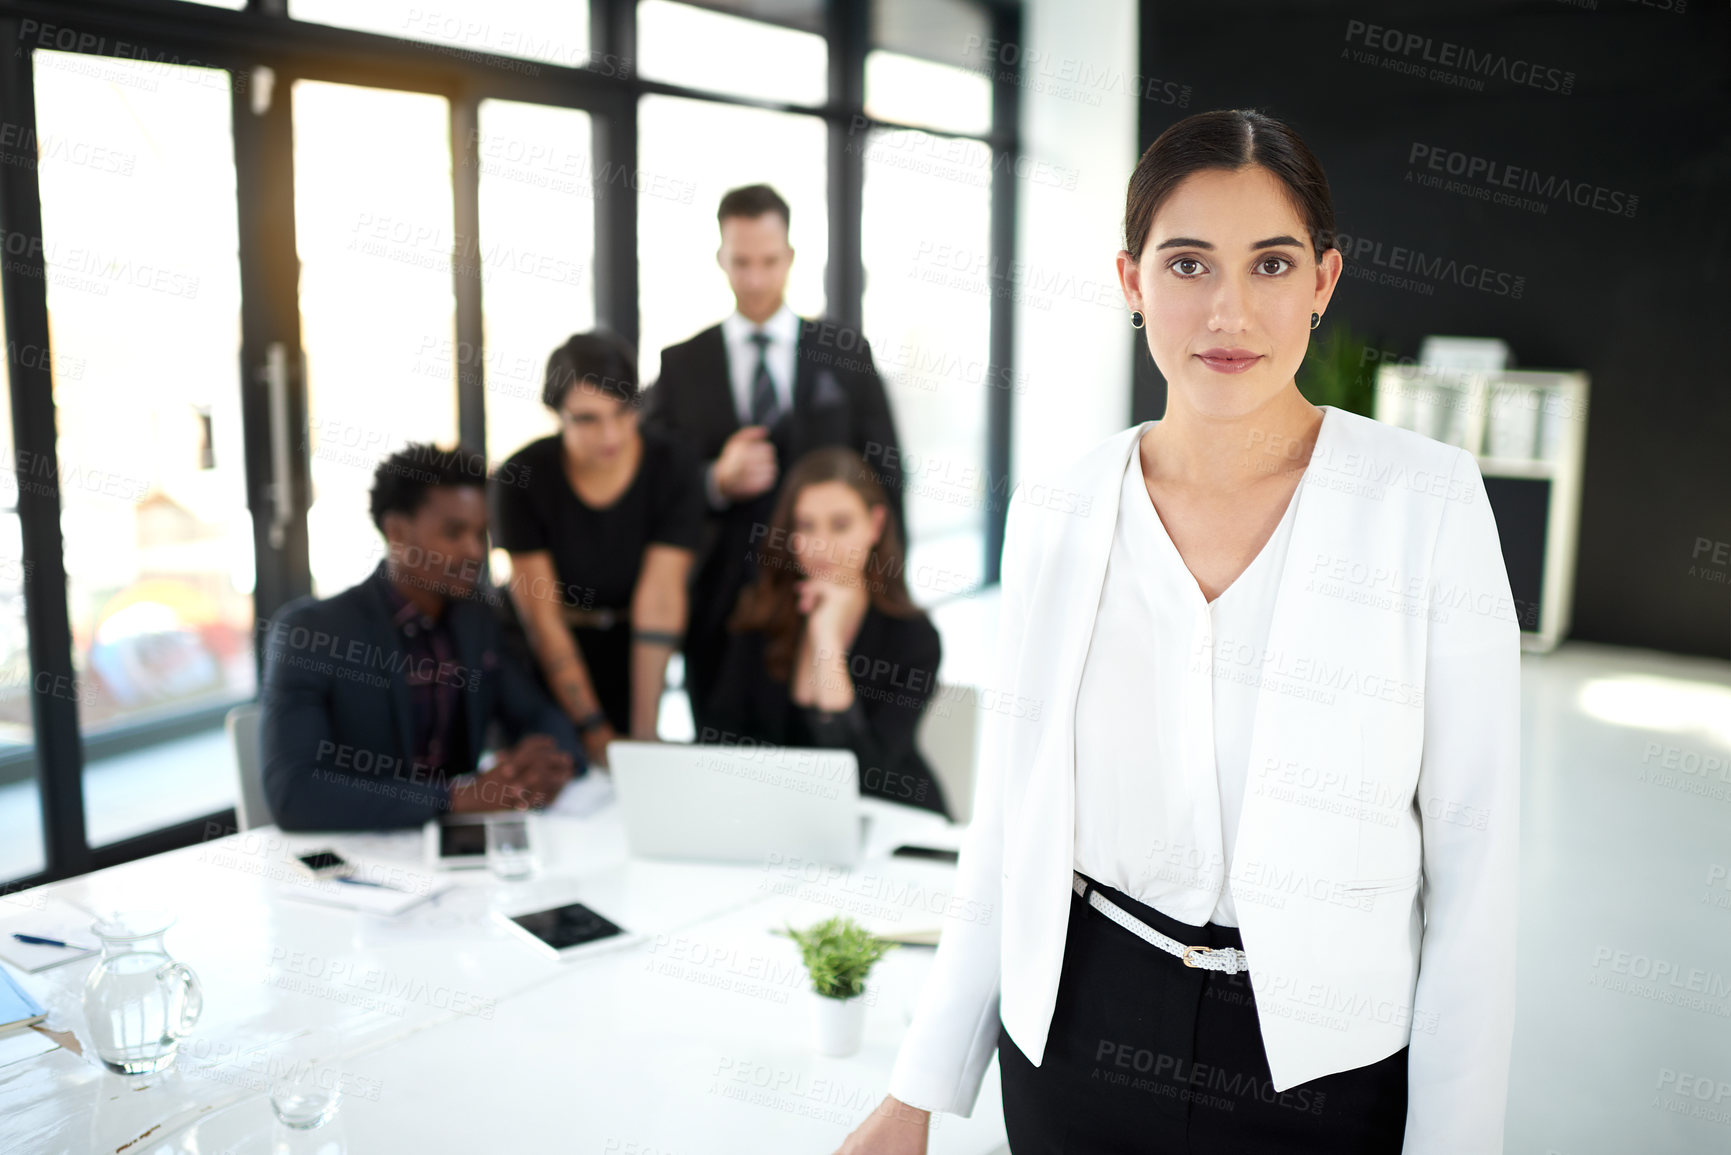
(1315,320)
(1135,318)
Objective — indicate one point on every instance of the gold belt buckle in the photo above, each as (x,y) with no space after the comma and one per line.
(1189,949)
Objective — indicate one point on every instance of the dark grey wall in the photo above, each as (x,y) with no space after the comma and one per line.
(1640,301)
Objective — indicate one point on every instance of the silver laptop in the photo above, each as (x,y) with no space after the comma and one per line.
(738,804)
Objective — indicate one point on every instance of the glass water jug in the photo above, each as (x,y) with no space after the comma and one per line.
(138,1001)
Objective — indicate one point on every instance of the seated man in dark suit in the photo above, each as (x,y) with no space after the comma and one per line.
(377,702)
(751,396)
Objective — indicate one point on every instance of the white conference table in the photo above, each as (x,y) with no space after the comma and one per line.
(693,1039)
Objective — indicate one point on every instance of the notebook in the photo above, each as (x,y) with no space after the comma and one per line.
(17,1008)
(385,900)
(68,926)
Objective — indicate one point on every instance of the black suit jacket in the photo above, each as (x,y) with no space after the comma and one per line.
(336,731)
(838,399)
(893,664)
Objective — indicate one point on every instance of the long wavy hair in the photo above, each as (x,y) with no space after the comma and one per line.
(771,603)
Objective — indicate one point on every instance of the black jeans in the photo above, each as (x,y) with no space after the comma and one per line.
(1148,1055)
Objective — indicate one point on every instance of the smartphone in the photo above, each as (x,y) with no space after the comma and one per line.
(935,853)
(324,864)
(459,841)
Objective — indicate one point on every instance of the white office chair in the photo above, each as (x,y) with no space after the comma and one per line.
(946,737)
(250,807)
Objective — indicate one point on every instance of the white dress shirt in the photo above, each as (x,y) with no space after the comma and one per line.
(1405,686)
(783,330)
(780,356)
(1163,731)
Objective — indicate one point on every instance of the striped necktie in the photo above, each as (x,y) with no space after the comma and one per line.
(763,401)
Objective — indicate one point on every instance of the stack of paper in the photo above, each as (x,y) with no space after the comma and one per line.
(405,891)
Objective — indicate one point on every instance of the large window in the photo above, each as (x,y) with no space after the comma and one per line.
(374,227)
(909,90)
(928,304)
(537,212)
(556,32)
(136,169)
(718,52)
(691,152)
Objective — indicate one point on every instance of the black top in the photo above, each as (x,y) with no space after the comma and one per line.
(893,664)
(598,552)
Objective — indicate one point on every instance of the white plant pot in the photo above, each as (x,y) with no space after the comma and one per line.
(837,1024)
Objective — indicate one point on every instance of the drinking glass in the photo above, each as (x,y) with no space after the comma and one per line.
(305,1074)
(508,853)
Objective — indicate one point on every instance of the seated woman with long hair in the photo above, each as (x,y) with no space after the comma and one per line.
(826,648)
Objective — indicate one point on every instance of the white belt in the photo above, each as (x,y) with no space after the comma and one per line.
(1223,958)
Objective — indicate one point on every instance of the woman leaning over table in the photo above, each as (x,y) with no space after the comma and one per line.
(602,521)
(1210,862)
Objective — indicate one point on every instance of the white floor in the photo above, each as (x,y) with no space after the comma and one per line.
(1623,1012)
(1623,1036)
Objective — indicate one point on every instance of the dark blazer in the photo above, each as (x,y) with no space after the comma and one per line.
(893,664)
(336,730)
(838,399)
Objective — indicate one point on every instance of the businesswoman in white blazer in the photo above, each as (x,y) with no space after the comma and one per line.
(1244,868)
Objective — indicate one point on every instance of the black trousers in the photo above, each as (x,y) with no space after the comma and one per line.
(1148,1055)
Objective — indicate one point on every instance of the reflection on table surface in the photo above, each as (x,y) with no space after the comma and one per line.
(692,1035)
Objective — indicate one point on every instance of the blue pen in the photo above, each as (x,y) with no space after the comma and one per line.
(37,940)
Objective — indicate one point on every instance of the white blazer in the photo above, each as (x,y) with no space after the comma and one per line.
(1380,817)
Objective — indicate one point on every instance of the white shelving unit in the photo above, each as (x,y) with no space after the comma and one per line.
(1527,425)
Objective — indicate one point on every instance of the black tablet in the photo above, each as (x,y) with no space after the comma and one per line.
(561,929)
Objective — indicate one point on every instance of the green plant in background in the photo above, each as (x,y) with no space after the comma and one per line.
(838,954)
(1335,373)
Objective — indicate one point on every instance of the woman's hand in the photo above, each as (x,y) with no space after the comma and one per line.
(894,1128)
(830,609)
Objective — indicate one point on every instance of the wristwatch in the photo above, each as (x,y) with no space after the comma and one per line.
(591,720)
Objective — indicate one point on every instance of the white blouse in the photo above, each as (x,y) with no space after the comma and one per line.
(1163,715)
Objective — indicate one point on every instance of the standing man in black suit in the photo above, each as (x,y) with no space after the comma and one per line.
(751,395)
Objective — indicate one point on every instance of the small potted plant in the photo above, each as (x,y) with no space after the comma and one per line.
(838,954)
